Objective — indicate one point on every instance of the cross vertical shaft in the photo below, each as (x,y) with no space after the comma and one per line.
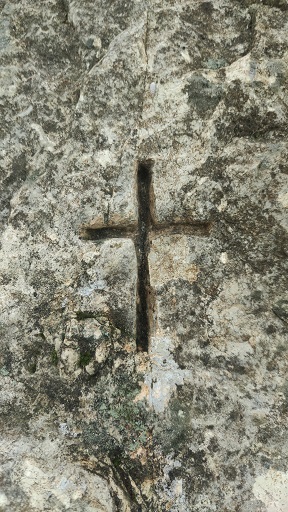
(142,248)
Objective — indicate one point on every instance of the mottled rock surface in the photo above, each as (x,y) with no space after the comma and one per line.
(87,90)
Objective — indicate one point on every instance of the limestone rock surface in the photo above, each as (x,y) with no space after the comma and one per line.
(88,89)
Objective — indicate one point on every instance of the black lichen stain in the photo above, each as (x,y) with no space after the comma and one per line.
(54,358)
(281,310)
(203,94)
(85,358)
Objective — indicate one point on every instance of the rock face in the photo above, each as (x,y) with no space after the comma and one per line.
(197,92)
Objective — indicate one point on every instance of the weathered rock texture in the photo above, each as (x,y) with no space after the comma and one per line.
(89,89)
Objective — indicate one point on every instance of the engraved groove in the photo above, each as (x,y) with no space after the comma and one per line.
(142,234)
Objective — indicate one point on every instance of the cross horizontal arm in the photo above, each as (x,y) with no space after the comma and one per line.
(178,228)
(108,232)
(181,228)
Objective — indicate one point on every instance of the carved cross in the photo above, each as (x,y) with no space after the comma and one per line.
(146,228)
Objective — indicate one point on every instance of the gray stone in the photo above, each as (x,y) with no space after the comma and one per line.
(198,92)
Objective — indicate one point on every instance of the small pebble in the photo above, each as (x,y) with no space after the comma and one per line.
(153,88)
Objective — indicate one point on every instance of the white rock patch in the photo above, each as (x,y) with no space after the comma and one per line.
(272,489)
(165,373)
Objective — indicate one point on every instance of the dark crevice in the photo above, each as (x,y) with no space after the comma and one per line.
(181,228)
(105,233)
(63,6)
(142,249)
(192,228)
